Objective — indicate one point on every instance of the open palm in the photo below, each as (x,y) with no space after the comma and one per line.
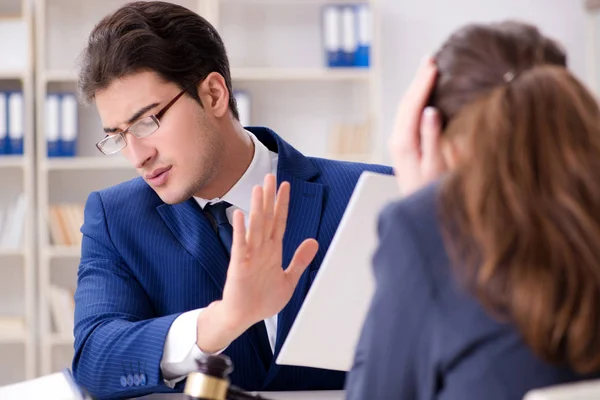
(257,286)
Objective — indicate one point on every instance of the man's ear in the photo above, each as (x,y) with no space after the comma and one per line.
(214,94)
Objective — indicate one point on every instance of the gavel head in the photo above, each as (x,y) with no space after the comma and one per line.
(211,380)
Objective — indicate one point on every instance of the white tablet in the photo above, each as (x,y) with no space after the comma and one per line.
(328,325)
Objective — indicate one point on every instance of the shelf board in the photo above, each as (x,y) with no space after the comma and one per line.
(301,74)
(60,75)
(9,161)
(61,339)
(297,2)
(12,330)
(354,157)
(57,251)
(10,252)
(12,337)
(86,163)
(16,75)
(261,74)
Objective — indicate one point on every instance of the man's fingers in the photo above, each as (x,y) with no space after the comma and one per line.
(269,193)
(281,211)
(238,246)
(256,221)
(302,258)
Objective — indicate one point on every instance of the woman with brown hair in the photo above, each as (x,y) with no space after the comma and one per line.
(488,280)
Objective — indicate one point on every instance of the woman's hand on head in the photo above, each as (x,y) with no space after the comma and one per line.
(415,144)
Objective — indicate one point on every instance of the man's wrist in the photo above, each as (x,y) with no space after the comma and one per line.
(217,327)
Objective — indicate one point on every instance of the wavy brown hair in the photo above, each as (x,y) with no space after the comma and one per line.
(522,206)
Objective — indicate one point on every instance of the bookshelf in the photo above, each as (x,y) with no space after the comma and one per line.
(281,66)
(62,27)
(17,258)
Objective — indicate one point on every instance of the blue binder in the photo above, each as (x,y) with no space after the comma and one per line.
(364,34)
(3,124)
(16,120)
(52,124)
(332,35)
(68,125)
(349,33)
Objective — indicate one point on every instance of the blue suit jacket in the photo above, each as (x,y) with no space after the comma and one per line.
(144,263)
(424,336)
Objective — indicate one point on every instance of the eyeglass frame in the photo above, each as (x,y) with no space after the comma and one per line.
(154,117)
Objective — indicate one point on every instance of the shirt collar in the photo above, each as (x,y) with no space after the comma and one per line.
(240,194)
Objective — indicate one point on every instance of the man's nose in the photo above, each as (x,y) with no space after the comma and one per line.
(138,151)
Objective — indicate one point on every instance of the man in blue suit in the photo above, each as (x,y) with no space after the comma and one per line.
(157,287)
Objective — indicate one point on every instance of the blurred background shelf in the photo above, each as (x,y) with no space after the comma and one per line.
(10,252)
(300,74)
(12,161)
(61,340)
(256,74)
(86,163)
(58,251)
(18,311)
(12,75)
(17,333)
(59,76)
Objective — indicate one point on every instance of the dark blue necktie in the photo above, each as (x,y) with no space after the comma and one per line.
(258,331)
(218,212)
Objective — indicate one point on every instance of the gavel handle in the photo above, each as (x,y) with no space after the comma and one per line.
(236,393)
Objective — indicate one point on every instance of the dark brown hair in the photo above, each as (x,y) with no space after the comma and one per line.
(522,207)
(176,43)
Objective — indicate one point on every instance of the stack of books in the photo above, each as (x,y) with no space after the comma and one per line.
(65,222)
(350,142)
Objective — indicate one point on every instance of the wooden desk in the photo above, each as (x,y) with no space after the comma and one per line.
(315,395)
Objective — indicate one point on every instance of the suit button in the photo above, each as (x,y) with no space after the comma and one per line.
(129,380)
(143,379)
(136,379)
(123,381)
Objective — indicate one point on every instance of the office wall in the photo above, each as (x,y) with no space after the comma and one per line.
(411,29)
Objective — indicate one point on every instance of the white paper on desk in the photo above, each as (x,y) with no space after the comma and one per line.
(329,323)
(57,386)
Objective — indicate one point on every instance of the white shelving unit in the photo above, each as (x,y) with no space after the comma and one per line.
(17,277)
(281,66)
(62,27)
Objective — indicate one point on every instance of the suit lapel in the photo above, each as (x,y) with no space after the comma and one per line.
(304,217)
(306,202)
(194,231)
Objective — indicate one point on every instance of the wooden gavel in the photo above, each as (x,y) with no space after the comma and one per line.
(211,381)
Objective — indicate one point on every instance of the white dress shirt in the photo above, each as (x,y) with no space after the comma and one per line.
(180,350)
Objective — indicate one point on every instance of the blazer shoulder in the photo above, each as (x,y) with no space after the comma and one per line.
(335,170)
(132,195)
(421,206)
(414,221)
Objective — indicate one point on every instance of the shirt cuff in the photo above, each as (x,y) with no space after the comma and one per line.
(180,351)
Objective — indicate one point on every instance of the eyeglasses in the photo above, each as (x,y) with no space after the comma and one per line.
(142,128)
